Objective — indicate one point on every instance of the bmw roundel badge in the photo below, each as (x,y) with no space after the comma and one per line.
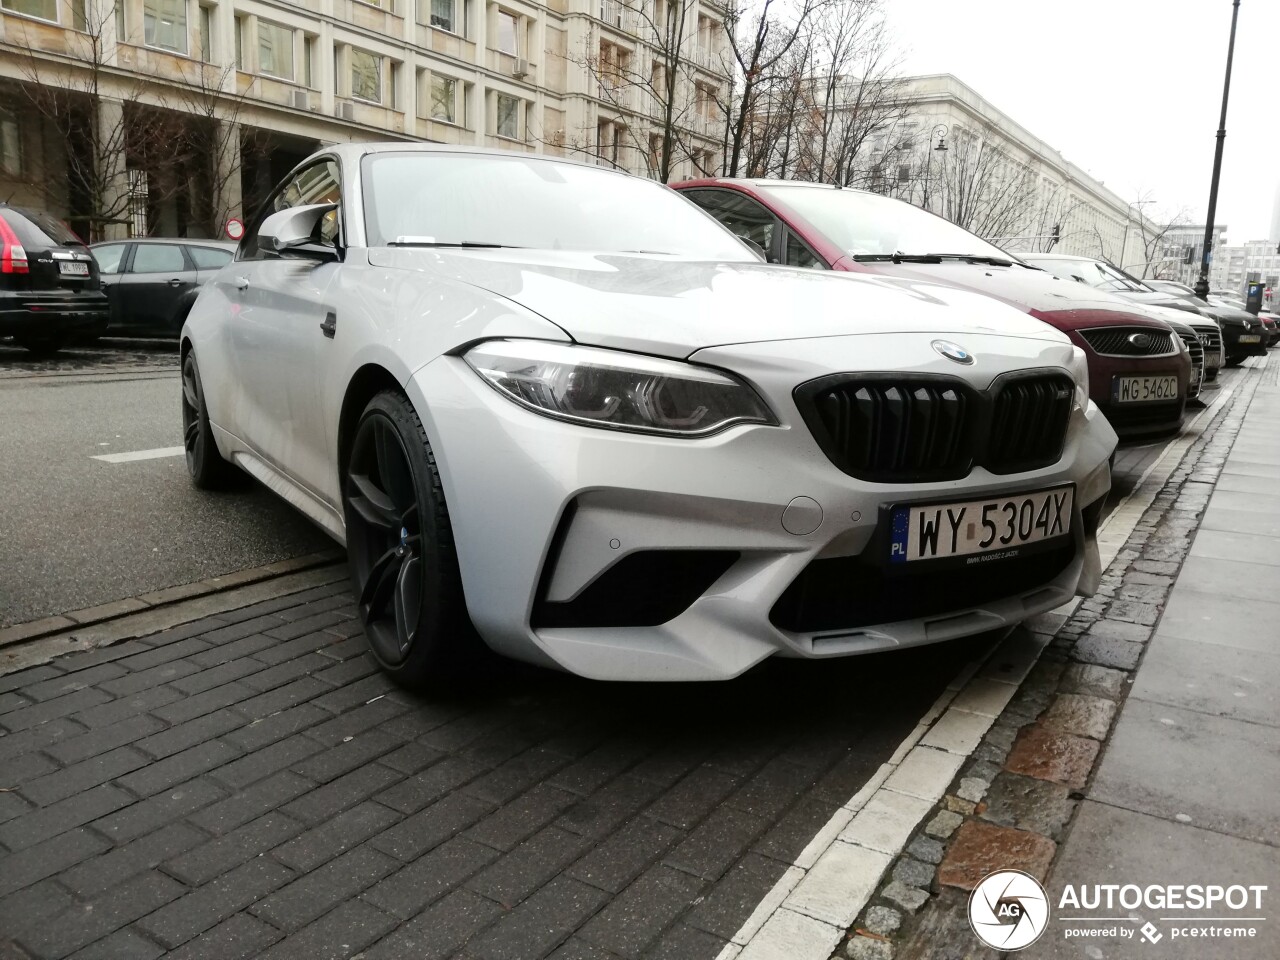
(952,351)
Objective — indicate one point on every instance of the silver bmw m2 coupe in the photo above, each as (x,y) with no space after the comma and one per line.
(559,411)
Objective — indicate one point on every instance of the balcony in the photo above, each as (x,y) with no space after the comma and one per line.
(708,59)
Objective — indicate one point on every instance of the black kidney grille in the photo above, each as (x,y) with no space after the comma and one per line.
(1029,420)
(912,430)
(1116,342)
(919,430)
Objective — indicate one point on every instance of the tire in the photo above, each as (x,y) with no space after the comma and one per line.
(404,567)
(42,346)
(204,463)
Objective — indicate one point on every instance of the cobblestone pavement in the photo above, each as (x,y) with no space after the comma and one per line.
(1013,804)
(249,785)
(106,356)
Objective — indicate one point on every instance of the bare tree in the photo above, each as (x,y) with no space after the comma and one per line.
(760,43)
(662,107)
(98,115)
(852,89)
(980,187)
(211,146)
(1155,246)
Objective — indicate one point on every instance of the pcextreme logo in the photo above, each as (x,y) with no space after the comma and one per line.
(1008,910)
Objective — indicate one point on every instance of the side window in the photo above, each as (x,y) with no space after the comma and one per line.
(799,255)
(741,214)
(318,183)
(158,258)
(209,258)
(109,257)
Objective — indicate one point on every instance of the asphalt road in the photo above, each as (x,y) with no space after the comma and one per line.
(76,532)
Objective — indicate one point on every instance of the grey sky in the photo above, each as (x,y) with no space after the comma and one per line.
(1130,90)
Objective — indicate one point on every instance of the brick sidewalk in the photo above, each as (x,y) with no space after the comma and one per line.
(249,785)
(1027,798)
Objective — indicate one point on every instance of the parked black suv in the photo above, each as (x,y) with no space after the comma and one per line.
(49,285)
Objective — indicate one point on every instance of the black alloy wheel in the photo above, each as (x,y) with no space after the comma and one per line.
(205,464)
(400,544)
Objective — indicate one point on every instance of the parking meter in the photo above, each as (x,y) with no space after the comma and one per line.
(1253,297)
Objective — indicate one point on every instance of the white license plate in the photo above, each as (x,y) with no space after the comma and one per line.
(1144,389)
(1250,338)
(73,269)
(979,529)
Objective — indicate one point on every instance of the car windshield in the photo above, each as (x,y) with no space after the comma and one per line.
(423,199)
(1093,272)
(867,224)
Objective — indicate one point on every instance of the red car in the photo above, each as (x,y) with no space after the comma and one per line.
(1138,369)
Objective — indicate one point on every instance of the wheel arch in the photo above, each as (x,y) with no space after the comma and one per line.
(365,384)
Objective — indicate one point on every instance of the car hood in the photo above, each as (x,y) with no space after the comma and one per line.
(1066,304)
(670,307)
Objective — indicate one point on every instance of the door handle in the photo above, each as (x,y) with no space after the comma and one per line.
(242,283)
(175,281)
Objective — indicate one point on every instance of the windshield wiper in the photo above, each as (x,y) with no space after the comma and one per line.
(900,257)
(897,257)
(467,244)
(974,258)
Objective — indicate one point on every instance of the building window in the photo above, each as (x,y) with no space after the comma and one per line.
(308,61)
(10,144)
(904,172)
(44,9)
(239,32)
(79,18)
(442,14)
(444,99)
(275,50)
(164,24)
(508,114)
(508,38)
(206,34)
(121,35)
(366,76)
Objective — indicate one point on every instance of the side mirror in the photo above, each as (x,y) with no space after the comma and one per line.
(295,232)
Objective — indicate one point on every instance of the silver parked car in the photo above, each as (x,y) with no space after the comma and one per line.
(561,411)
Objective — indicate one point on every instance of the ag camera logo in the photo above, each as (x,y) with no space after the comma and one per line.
(1008,910)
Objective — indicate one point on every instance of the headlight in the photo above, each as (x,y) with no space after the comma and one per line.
(619,391)
(1079,367)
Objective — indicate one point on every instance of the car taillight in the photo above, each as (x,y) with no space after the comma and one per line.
(13,259)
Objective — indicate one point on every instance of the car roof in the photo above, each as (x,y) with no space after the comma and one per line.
(354,151)
(181,241)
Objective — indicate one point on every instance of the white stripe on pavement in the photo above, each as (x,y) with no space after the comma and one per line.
(155,454)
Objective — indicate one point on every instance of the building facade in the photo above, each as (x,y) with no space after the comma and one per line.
(954,152)
(169,116)
(1181,246)
(1234,266)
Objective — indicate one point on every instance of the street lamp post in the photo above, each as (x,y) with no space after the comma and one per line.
(940,148)
(1202,285)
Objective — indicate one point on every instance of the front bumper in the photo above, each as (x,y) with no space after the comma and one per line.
(1137,421)
(549,517)
(1235,350)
